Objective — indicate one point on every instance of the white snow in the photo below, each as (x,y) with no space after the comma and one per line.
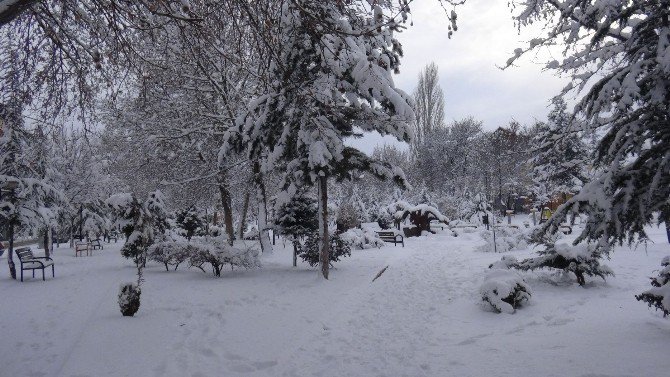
(421,317)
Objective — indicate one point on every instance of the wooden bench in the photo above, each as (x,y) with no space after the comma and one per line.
(30,262)
(95,244)
(392,237)
(80,248)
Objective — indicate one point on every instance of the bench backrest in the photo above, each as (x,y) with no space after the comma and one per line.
(386,234)
(81,246)
(24,254)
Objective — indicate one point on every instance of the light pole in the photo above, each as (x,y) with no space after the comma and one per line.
(9,187)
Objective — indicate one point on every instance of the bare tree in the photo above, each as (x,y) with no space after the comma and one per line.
(429,107)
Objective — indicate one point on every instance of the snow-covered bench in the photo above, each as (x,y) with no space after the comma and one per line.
(30,262)
(81,247)
(392,237)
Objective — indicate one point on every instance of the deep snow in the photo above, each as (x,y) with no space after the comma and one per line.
(422,317)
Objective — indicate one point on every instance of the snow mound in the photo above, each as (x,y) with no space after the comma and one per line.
(361,239)
(504,290)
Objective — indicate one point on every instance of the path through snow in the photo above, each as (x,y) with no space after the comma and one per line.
(420,318)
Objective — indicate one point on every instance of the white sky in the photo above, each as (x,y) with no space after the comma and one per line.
(472,84)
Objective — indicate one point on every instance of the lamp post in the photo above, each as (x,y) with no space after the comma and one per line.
(9,187)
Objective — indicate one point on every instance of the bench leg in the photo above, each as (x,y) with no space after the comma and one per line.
(53,272)
(43,278)
(22,274)
(33,273)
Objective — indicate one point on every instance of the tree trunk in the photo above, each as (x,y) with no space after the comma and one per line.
(45,242)
(227,213)
(295,253)
(245,209)
(72,232)
(226,203)
(81,222)
(50,235)
(323,226)
(10,256)
(263,227)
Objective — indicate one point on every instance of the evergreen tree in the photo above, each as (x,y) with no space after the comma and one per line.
(145,221)
(190,221)
(28,199)
(296,220)
(332,71)
(619,56)
(659,295)
(560,156)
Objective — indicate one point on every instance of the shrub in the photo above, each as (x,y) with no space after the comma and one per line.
(579,259)
(384,219)
(348,217)
(659,295)
(190,222)
(217,253)
(309,252)
(168,253)
(129,299)
(506,238)
(504,290)
(361,239)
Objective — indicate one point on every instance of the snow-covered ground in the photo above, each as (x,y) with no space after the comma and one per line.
(420,318)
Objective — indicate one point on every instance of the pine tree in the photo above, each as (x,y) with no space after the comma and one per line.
(560,156)
(332,72)
(190,221)
(296,220)
(145,222)
(619,57)
(659,295)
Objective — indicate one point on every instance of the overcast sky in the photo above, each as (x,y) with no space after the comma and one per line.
(472,84)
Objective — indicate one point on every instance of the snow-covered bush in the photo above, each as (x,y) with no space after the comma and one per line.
(361,239)
(129,299)
(296,219)
(251,234)
(659,295)
(217,253)
(216,231)
(145,221)
(506,262)
(348,217)
(578,259)
(190,222)
(168,253)
(504,290)
(384,219)
(506,239)
(309,252)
